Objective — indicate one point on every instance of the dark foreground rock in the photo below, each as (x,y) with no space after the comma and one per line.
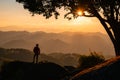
(109,70)
(30,71)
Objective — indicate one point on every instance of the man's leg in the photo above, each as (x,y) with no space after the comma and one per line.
(34,58)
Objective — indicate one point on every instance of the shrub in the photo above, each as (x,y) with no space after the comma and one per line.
(90,60)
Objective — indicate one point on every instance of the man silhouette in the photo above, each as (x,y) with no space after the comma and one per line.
(36,51)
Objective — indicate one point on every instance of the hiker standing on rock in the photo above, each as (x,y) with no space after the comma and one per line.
(36,51)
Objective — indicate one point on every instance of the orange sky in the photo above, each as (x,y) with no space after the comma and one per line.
(14,17)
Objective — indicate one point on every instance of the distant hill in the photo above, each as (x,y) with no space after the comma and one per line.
(66,42)
(27,56)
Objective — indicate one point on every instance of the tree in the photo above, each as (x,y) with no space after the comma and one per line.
(107,12)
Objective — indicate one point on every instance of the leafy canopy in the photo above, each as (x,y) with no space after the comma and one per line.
(109,8)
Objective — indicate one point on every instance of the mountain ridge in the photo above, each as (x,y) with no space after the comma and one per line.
(65,42)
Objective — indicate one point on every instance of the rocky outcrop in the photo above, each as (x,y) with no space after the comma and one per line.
(31,71)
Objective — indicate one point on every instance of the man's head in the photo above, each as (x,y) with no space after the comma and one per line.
(37,45)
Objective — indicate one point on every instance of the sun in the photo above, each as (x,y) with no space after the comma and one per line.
(80,13)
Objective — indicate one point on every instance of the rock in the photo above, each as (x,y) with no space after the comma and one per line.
(30,71)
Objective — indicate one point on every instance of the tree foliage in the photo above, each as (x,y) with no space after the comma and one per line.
(107,12)
(50,7)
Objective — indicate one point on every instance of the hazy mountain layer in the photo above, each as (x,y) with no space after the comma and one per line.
(66,42)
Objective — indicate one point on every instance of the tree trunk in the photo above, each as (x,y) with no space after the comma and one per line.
(116,31)
(114,34)
(117,50)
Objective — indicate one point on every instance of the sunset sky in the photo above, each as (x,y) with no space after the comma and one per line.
(14,17)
